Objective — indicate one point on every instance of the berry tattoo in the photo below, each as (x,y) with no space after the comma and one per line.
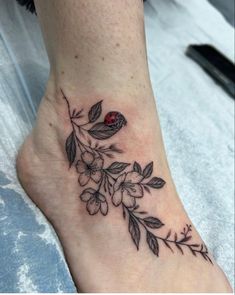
(120,184)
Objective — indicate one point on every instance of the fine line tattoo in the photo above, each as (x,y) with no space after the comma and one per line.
(119,184)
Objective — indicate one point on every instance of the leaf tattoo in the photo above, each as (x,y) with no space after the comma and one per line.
(148,170)
(153,243)
(137,168)
(101,131)
(95,112)
(153,222)
(156,182)
(134,230)
(70,147)
(120,184)
(117,167)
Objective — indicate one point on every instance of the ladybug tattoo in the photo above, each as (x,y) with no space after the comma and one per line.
(112,123)
(115,120)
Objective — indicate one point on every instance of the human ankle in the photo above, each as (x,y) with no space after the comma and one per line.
(139,105)
(137,145)
(67,208)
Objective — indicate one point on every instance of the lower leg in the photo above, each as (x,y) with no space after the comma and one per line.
(97,52)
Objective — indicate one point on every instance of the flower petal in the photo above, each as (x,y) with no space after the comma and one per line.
(101,198)
(93,206)
(119,181)
(97,164)
(117,198)
(90,190)
(104,208)
(84,178)
(133,177)
(81,166)
(96,176)
(87,157)
(87,194)
(135,190)
(128,200)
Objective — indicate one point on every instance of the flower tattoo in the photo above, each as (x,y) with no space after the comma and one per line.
(89,167)
(95,201)
(120,184)
(126,188)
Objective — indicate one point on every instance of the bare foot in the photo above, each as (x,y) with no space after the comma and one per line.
(109,245)
(72,167)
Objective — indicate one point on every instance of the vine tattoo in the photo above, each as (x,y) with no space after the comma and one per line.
(120,184)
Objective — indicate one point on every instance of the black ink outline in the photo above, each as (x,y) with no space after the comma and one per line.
(122,186)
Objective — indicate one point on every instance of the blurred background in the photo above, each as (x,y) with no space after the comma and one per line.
(197,119)
(226,7)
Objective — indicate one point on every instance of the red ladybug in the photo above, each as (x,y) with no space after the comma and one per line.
(115,120)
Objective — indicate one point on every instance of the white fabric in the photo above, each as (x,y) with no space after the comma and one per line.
(196,116)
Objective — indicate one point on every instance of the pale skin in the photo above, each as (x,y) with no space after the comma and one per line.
(97,50)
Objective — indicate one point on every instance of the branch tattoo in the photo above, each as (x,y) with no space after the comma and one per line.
(119,184)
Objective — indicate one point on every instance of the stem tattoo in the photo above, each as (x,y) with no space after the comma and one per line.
(119,184)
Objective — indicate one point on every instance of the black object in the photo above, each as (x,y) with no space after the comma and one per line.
(29,4)
(215,64)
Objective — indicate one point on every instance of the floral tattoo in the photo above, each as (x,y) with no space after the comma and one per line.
(119,184)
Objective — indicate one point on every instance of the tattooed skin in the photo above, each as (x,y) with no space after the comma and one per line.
(119,184)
